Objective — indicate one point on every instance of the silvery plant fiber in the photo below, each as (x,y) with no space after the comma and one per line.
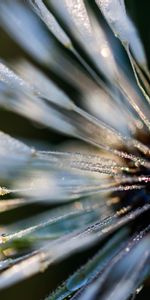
(74,151)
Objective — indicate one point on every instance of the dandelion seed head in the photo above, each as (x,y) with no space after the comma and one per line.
(80,70)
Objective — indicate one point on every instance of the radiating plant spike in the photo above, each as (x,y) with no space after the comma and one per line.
(74,151)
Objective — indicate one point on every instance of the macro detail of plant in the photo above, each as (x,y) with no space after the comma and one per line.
(75,188)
